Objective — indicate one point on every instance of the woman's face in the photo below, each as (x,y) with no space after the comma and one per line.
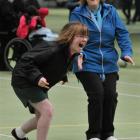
(78,43)
(93,4)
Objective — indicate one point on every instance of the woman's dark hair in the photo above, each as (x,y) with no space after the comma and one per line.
(84,2)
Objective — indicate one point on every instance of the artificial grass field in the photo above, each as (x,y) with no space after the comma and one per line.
(70,102)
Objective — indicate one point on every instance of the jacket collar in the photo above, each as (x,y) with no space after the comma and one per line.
(82,10)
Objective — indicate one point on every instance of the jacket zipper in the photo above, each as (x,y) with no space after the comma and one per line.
(100,29)
(102,76)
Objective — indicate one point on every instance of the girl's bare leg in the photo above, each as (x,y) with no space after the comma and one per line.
(30,124)
(42,124)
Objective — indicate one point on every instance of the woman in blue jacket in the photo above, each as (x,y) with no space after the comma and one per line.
(100,70)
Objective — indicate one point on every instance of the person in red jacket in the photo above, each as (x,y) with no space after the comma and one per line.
(33,19)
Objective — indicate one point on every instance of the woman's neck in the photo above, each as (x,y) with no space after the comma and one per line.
(94,8)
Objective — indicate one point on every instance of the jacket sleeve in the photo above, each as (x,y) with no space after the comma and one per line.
(122,36)
(74,17)
(23,28)
(32,61)
(33,23)
(43,12)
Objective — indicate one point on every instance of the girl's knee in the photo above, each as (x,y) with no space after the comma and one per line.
(47,111)
(44,108)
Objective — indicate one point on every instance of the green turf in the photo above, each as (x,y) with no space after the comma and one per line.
(70,102)
(70,117)
(57,19)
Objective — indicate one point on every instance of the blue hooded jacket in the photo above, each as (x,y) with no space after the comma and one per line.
(100,53)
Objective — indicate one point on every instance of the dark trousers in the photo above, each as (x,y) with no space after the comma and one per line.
(102,102)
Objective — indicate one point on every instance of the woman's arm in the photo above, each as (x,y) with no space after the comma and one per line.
(122,36)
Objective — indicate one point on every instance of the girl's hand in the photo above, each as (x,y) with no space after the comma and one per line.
(43,83)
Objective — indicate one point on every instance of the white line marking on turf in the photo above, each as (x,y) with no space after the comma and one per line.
(74,87)
(129,138)
(128,95)
(123,94)
(75,125)
(5,78)
(3,135)
(121,82)
(129,84)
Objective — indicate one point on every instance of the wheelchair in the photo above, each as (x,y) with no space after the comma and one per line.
(5,37)
(11,47)
(16,47)
(14,50)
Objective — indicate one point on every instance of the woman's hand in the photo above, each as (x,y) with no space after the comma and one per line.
(129,60)
(43,83)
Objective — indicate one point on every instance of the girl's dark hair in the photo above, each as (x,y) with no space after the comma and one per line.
(31,10)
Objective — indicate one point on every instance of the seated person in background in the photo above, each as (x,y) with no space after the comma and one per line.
(31,20)
(48,35)
(33,23)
